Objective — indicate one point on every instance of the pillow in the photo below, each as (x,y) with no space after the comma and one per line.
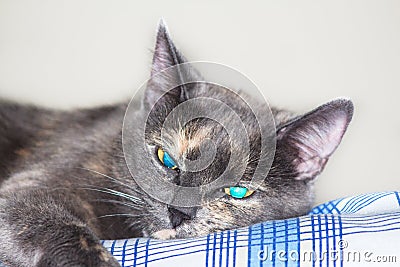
(363,230)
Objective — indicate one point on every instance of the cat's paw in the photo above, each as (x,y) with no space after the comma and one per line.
(84,253)
(96,257)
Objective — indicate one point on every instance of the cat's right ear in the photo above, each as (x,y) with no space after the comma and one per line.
(163,76)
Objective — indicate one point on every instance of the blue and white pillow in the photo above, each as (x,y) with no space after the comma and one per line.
(362,230)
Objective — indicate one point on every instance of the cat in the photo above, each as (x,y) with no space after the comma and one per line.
(65,183)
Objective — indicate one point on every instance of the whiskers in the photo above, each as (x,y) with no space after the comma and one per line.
(114,180)
(116,193)
(123,215)
(133,202)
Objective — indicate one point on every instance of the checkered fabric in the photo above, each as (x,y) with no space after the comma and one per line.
(362,230)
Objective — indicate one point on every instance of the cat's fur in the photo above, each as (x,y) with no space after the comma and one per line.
(62,174)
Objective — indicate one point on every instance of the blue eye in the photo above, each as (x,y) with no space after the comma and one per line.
(238,192)
(166,159)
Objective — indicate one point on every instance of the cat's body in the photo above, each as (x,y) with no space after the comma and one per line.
(64,183)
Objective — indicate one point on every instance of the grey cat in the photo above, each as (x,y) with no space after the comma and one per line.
(65,185)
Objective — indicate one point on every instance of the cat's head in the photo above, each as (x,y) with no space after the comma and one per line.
(303,145)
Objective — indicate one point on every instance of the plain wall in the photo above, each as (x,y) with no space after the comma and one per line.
(66,54)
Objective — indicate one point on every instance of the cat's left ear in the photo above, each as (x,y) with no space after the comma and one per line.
(166,55)
(309,140)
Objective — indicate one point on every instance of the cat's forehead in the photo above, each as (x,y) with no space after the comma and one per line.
(230,126)
(189,139)
(184,140)
(193,138)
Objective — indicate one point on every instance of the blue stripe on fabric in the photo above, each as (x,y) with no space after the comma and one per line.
(207,249)
(227,247)
(234,248)
(221,243)
(358,202)
(372,218)
(357,218)
(327,239)
(371,226)
(350,202)
(367,202)
(213,249)
(362,203)
(334,236)
(320,240)
(273,242)
(335,204)
(372,231)
(286,243)
(262,243)
(123,253)
(324,209)
(332,206)
(341,238)
(398,197)
(112,247)
(146,259)
(298,241)
(313,237)
(249,248)
(135,253)
(319,210)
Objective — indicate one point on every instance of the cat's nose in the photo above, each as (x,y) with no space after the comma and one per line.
(177,215)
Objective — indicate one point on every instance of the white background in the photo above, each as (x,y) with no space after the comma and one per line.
(67,54)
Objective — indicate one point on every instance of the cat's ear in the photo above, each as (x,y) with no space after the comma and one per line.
(166,55)
(309,140)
